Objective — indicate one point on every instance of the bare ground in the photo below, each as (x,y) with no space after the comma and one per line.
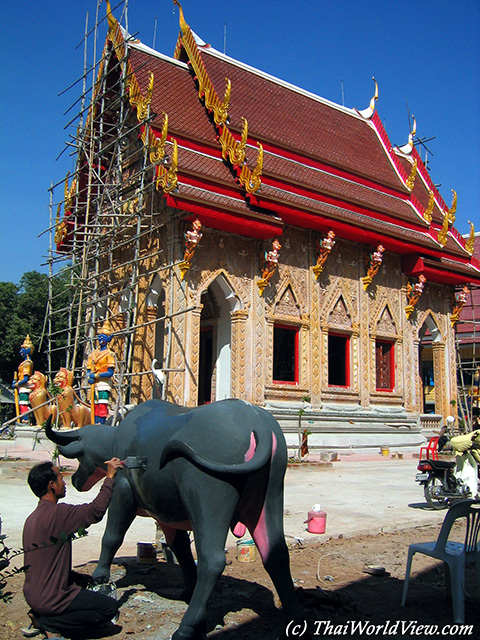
(331,583)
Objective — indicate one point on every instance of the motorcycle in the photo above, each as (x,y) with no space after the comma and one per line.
(445,482)
(7,432)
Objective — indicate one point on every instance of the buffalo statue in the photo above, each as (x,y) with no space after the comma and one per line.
(206,469)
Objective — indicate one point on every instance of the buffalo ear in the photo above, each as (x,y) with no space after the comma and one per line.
(72,450)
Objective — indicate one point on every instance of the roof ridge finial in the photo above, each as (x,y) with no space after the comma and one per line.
(368,113)
(408,148)
(112,21)
(183,25)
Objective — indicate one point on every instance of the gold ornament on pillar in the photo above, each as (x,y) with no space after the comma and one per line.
(373,261)
(458,302)
(414,291)
(322,252)
(270,265)
(192,238)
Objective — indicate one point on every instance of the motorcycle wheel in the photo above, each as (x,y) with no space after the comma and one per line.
(6,433)
(432,485)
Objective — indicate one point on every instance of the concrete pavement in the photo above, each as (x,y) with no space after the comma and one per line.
(361,493)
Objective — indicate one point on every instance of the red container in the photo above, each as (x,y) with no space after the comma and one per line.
(316,521)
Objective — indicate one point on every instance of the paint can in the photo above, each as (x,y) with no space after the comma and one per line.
(246,551)
(146,552)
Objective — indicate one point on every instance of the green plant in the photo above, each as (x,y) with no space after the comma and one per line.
(303,435)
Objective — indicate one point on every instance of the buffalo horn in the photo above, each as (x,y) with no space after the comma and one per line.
(63,438)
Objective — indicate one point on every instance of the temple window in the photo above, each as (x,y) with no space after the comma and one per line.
(285,354)
(338,360)
(385,365)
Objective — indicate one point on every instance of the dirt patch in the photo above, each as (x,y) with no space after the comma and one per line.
(331,583)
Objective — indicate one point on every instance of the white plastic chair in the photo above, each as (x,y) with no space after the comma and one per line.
(455,555)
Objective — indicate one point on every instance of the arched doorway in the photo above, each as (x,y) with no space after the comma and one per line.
(429,335)
(214,371)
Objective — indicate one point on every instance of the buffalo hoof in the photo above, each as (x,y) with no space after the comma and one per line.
(94,580)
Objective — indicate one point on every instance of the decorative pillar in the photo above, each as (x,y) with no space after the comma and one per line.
(192,356)
(324,355)
(414,392)
(440,378)
(238,353)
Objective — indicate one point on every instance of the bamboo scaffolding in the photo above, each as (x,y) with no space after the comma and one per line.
(113,219)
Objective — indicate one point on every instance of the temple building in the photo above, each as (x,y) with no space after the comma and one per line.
(254,240)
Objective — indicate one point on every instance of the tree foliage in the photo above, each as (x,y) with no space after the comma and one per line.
(23,310)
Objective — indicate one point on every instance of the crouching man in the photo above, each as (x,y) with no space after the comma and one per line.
(58,603)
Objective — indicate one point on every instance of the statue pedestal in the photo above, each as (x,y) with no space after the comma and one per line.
(32,437)
(261,284)
(367,281)
(317,270)
(184,266)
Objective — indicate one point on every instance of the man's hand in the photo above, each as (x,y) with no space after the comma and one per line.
(112,466)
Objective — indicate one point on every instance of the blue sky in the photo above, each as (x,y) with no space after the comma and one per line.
(425,56)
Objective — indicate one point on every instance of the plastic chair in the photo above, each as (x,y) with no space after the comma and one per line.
(455,555)
(430,452)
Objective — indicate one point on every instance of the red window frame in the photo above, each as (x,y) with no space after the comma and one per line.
(346,356)
(387,359)
(295,364)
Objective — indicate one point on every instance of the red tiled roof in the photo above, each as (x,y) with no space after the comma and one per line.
(293,119)
(317,180)
(174,94)
(322,162)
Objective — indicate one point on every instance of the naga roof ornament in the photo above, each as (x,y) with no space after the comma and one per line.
(167,178)
(205,87)
(232,149)
(453,209)
(413,174)
(428,213)
(443,233)
(368,113)
(252,180)
(470,243)
(60,228)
